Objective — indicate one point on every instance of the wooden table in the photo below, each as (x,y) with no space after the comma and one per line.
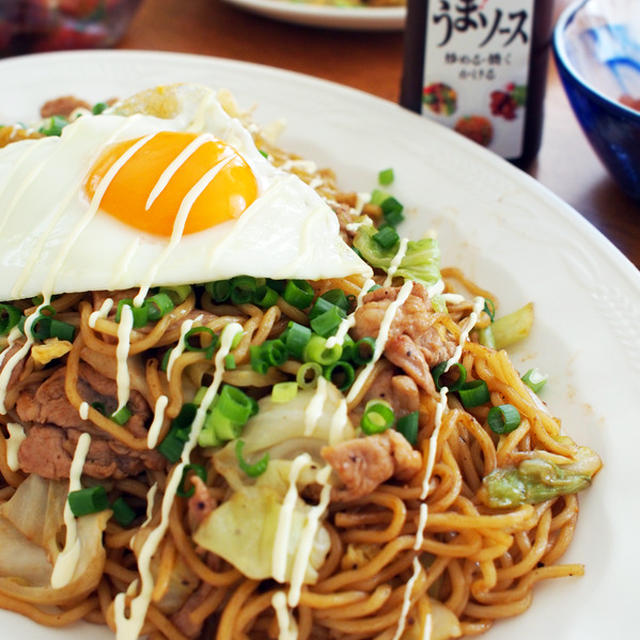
(372,62)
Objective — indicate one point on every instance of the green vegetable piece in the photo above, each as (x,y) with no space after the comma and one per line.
(252,470)
(53,126)
(532,481)
(386,177)
(513,327)
(535,379)
(98,108)
(123,513)
(86,501)
(420,263)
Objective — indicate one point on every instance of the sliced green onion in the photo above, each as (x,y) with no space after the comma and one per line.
(258,362)
(243,289)
(474,393)
(365,348)
(178,293)
(61,330)
(341,374)
(392,211)
(277,285)
(199,470)
(252,470)
(348,349)
(298,293)
(41,328)
(374,287)
(36,301)
(265,297)
(182,422)
(230,362)
(320,306)
(378,197)
(255,408)
(220,291)
(172,445)
(297,338)
(317,351)
(98,108)
(86,501)
(489,308)
(208,436)
(275,352)
(158,306)
(453,383)
(140,314)
(337,297)
(9,318)
(207,349)
(378,416)
(122,416)
(408,427)
(308,374)
(387,237)
(284,392)
(503,418)
(234,405)
(123,513)
(164,364)
(263,153)
(535,379)
(327,323)
(53,126)
(385,177)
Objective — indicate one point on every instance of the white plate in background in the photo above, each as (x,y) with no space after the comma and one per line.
(317,15)
(504,229)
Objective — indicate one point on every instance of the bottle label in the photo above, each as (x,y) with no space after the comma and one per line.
(477,56)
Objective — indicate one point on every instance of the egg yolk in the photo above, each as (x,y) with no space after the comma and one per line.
(232,186)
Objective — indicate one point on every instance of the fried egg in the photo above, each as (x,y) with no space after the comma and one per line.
(128,199)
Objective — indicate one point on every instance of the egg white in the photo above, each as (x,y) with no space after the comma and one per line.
(51,241)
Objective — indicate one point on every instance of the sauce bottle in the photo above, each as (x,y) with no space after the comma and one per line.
(480,67)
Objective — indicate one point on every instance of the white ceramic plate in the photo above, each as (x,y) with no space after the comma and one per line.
(356,18)
(505,230)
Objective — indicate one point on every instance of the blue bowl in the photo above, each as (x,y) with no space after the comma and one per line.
(612,128)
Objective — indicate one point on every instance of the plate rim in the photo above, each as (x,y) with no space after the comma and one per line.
(353,18)
(592,236)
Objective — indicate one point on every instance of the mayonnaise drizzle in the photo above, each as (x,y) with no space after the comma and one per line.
(178,350)
(84,410)
(305,544)
(158,419)
(396,262)
(283,532)
(173,167)
(16,438)
(128,628)
(406,602)
(67,559)
(180,220)
(102,312)
(122,353)
(288,629)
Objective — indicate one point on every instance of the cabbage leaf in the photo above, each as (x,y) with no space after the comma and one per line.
(30,523)
(420,263)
